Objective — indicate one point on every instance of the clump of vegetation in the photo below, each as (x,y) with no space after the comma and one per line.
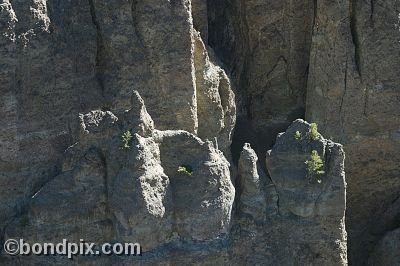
(185,169)
(126,139)
(313,133)
(315,166)
(297,135)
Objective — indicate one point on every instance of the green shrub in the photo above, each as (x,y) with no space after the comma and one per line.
(297,135)
(126,139)
(185,169)
(315,166)
(313,133)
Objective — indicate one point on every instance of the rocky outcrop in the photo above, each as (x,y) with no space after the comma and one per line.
(132,193)
(353,95)
(300,188)
(123,187)
(60,59)
(252,199)
(309,205)
(330,62)
(334,63)
(216,109)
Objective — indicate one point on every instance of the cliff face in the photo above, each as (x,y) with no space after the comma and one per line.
(335,63)
(193,81)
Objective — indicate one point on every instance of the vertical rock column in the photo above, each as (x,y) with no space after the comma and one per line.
(311,207)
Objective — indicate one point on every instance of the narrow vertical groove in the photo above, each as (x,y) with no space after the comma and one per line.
(372,5)
(354,34)
(315,14)
(99,47)
(341,111)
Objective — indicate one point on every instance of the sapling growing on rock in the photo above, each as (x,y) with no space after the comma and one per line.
(315,166)
(297,135)
(313,133)
(126,139)
(185,169)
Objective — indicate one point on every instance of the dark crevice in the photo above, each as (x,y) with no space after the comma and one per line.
(372,5)
(230,37)
(355,34)
(313,31)
(280,59)
(315,7)
(135,22)
(99,48)
(341,112)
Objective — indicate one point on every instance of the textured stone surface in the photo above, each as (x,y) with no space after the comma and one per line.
(106,193)
(386,252)
(266,47)
(320,206)
(216,110)
(252,199)
(353,94)
(334,63)
(67,73)
(59,59)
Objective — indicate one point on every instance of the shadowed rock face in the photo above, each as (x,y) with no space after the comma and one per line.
(334,63)
(72,78)
(386,251)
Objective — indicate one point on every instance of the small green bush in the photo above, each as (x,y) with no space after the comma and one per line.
(315,166)
(126,139)
(313,133)
(297,135)
(185,169)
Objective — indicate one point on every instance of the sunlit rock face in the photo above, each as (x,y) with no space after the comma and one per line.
(103,102)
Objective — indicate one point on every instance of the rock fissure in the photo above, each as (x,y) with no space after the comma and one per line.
(355,35)
(99,48)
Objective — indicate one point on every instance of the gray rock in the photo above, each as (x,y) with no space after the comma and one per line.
(216,110)
(252,200)
(133,194)
(266,47)
(386,252)
(352,93)
(332,62)
(321,206)
(59,59)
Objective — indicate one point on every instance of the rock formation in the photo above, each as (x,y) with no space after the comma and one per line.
(108,192)
(334,63)
(103,102)
(317,204)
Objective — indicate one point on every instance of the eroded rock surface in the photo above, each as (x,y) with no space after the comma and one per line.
(308,207)
(108,192)
(332,62)
(252,198)
(387,250)
(353,94)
